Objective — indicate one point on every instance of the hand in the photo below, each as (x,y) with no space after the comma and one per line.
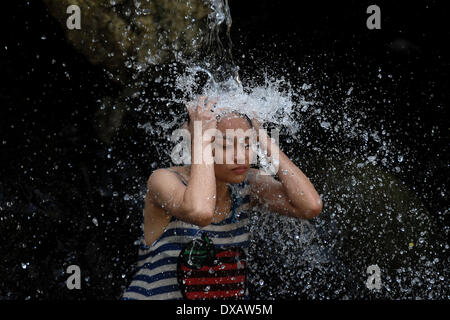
(201,110)
(256,124)
(265,142)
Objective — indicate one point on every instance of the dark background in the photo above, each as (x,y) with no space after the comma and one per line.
(55,173)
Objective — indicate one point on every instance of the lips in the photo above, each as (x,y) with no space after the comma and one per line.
(240,170)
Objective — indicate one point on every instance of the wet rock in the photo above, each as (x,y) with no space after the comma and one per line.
(124,36)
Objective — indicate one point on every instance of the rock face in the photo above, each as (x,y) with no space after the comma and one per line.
(125,36)
(130,39)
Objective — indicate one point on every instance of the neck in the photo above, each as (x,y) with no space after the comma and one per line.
(221,189)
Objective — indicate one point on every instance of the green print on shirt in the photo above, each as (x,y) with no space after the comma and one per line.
(207,272)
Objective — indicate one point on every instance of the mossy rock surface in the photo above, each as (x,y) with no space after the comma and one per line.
(124,36)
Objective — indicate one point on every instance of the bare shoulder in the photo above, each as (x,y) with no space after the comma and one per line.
(184,171)
(164,191)
(165,175)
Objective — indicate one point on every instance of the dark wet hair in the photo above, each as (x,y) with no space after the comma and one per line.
(243,115)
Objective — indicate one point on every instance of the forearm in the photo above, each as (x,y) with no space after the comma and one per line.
(200,193)
(298,188)
(202,187)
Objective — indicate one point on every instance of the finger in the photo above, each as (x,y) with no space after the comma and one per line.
(190,107)
(201,101)
(256,122)
(219,111)
(210,103)
(255,116)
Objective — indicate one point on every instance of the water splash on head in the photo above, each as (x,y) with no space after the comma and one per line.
(271,102)
(352,159)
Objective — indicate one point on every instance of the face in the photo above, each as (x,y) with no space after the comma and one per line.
(233,153)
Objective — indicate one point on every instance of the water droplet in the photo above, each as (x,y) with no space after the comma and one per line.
(325,124)
(349,91)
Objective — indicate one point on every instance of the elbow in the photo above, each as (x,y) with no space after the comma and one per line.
(202,217)
(314,210)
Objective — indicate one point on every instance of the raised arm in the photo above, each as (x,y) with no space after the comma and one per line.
(294,195)
(195,203)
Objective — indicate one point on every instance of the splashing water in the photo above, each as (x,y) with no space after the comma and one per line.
(270,102)
(369,216)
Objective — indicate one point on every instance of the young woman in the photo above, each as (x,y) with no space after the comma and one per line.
(195,218)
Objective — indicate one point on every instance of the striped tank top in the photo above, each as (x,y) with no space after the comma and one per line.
(192,262)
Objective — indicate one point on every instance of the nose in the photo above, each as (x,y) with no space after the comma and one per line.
(239,154)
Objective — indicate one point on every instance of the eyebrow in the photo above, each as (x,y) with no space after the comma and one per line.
(228,139)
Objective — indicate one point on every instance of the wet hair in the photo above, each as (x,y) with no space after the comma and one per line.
(242,115)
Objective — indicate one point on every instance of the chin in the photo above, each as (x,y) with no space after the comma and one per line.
(232,178)
(228,174)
